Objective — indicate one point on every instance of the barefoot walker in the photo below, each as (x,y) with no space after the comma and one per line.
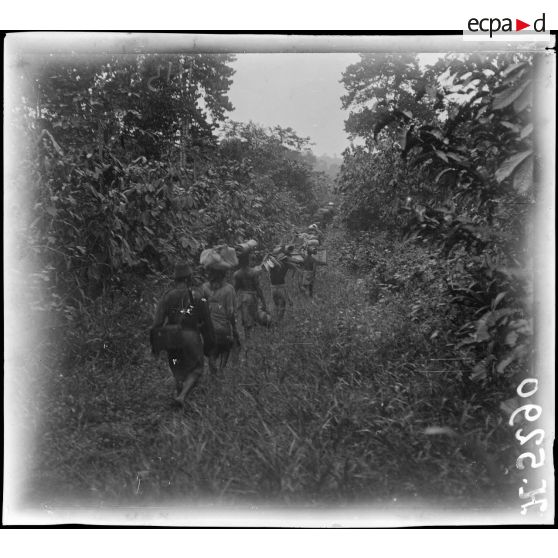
(180,320)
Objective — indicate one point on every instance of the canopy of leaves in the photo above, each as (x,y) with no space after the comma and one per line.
(123,171)
(448,151)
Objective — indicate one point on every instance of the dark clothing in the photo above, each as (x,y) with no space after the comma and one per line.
(188,360)
(182,306)
(175,304)
(187,307)
(279,292)
(309,266)
(278,273)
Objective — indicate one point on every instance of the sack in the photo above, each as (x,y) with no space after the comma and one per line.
(220,257)
(269,262)
(295,259)
(167,338)
(223,344)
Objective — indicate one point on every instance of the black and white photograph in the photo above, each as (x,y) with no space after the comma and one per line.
(278,280)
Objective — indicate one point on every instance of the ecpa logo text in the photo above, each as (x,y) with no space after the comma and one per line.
(495,25)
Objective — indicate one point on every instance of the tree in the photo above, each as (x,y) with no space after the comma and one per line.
(113,146)
(382,87)
(278,154)
(471,157)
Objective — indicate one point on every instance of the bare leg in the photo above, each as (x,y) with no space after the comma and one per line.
(247,335)
(187,385)
(213,367)
(224,360)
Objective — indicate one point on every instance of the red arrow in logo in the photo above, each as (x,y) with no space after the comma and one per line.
(519,25)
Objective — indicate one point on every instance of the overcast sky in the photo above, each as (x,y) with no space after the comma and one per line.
(297,90)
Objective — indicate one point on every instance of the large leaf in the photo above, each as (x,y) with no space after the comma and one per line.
(524,100)
(509,95)
(441,155)
(514,77)
(498,299)
(405,135)
(526,131)
(442,173)
(458,159)
(481,334)
(513,68)
(511,338)
(511,126)
(523,177)
(510,164)
(480,371)
(518,352)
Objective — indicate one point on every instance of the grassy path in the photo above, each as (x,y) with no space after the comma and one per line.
(325,410)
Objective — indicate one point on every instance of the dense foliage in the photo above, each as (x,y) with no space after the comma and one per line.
(129,163)
(447,157)
(126,168)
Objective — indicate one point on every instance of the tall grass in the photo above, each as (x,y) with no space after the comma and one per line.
(329,407)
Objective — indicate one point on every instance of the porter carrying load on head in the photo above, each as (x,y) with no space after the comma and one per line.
(245,247)
(250,296)
(219,257)
(309,267)
(282,264)
(315,232)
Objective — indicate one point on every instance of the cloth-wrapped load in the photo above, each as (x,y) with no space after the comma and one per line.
(309,239)
(282,254)
(247,246)
(219,257)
